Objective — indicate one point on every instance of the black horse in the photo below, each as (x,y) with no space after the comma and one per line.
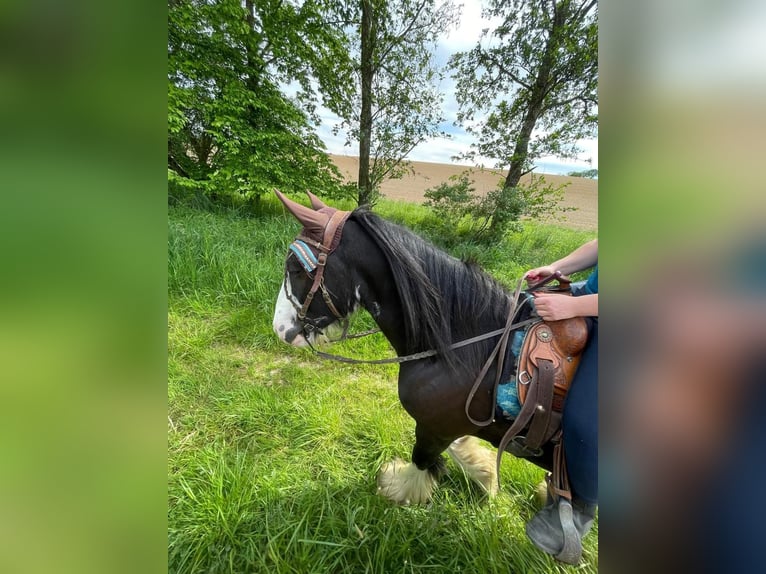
(422,299)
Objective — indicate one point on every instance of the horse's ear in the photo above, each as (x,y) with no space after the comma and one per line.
(313,221)
(316,203)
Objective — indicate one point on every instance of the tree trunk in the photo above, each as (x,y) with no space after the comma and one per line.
(521,149)
(365,116)
(251,80)
(202,146)
(534,111)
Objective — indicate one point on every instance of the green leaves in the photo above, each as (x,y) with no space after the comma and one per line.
(589,173)
(231,126)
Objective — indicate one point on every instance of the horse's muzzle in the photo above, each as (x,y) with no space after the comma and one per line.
(293,336)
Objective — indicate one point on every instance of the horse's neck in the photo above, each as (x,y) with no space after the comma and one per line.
(380,297)
(373,283)
(383,304)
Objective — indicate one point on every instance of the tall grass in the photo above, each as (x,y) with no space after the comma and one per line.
(273,453)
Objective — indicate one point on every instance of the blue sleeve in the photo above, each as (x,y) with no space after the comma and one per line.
(591,285)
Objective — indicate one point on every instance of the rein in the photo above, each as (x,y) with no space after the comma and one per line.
(413,356)
(499,351)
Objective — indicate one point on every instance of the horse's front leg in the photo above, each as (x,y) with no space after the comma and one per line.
(414,482)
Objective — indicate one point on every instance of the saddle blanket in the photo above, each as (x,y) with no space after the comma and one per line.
(508,400)
(507,394)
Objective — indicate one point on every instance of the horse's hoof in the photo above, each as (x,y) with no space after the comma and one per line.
(404,483)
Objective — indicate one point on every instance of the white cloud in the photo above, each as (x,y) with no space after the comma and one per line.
(441,150)
(468,30)
(589,155)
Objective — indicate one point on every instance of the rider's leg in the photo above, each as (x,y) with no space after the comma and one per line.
(559,527)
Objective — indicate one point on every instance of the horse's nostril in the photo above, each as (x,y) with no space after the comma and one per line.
(291,334)
(281,328)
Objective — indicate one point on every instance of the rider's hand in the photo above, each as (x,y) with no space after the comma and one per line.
(535,275)
(555,307)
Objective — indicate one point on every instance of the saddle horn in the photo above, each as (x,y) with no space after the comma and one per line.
(313,221)
(316,203)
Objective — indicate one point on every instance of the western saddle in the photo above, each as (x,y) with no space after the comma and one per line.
(547,363)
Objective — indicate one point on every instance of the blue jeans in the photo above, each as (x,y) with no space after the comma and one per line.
(580,423)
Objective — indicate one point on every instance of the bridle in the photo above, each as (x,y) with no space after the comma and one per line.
(315,263)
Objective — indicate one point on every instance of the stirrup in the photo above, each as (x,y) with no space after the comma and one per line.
(571,552)
(518,448)
(553,530)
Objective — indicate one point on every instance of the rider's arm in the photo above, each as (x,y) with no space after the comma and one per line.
(584,257)
(585,305)
(581,258)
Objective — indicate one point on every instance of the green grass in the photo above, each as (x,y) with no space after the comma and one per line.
(273,453)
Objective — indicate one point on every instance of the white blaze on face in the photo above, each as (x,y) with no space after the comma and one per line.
(286,324)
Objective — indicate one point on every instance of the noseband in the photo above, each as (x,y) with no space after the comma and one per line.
(315,263)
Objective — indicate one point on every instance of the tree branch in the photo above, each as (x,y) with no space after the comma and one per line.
(381,176)
(175,166)
(397,39)
(583,98)
(583,10)
(506,71)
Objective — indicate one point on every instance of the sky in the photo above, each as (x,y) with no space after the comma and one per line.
(440,150)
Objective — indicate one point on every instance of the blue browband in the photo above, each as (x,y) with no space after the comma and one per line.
(305,255)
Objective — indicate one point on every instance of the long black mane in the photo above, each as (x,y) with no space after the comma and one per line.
(444,299)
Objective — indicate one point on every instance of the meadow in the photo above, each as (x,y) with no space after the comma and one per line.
(273,452)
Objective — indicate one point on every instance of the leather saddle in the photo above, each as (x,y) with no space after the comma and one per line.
(548,361)
(561,343)
(549,357)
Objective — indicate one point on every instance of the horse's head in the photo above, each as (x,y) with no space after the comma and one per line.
(317,294)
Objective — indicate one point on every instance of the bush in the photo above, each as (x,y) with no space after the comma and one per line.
(463,215)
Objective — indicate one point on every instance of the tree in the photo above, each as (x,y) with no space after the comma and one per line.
(230,125)
(589,173)
(535,79)
(395,104)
